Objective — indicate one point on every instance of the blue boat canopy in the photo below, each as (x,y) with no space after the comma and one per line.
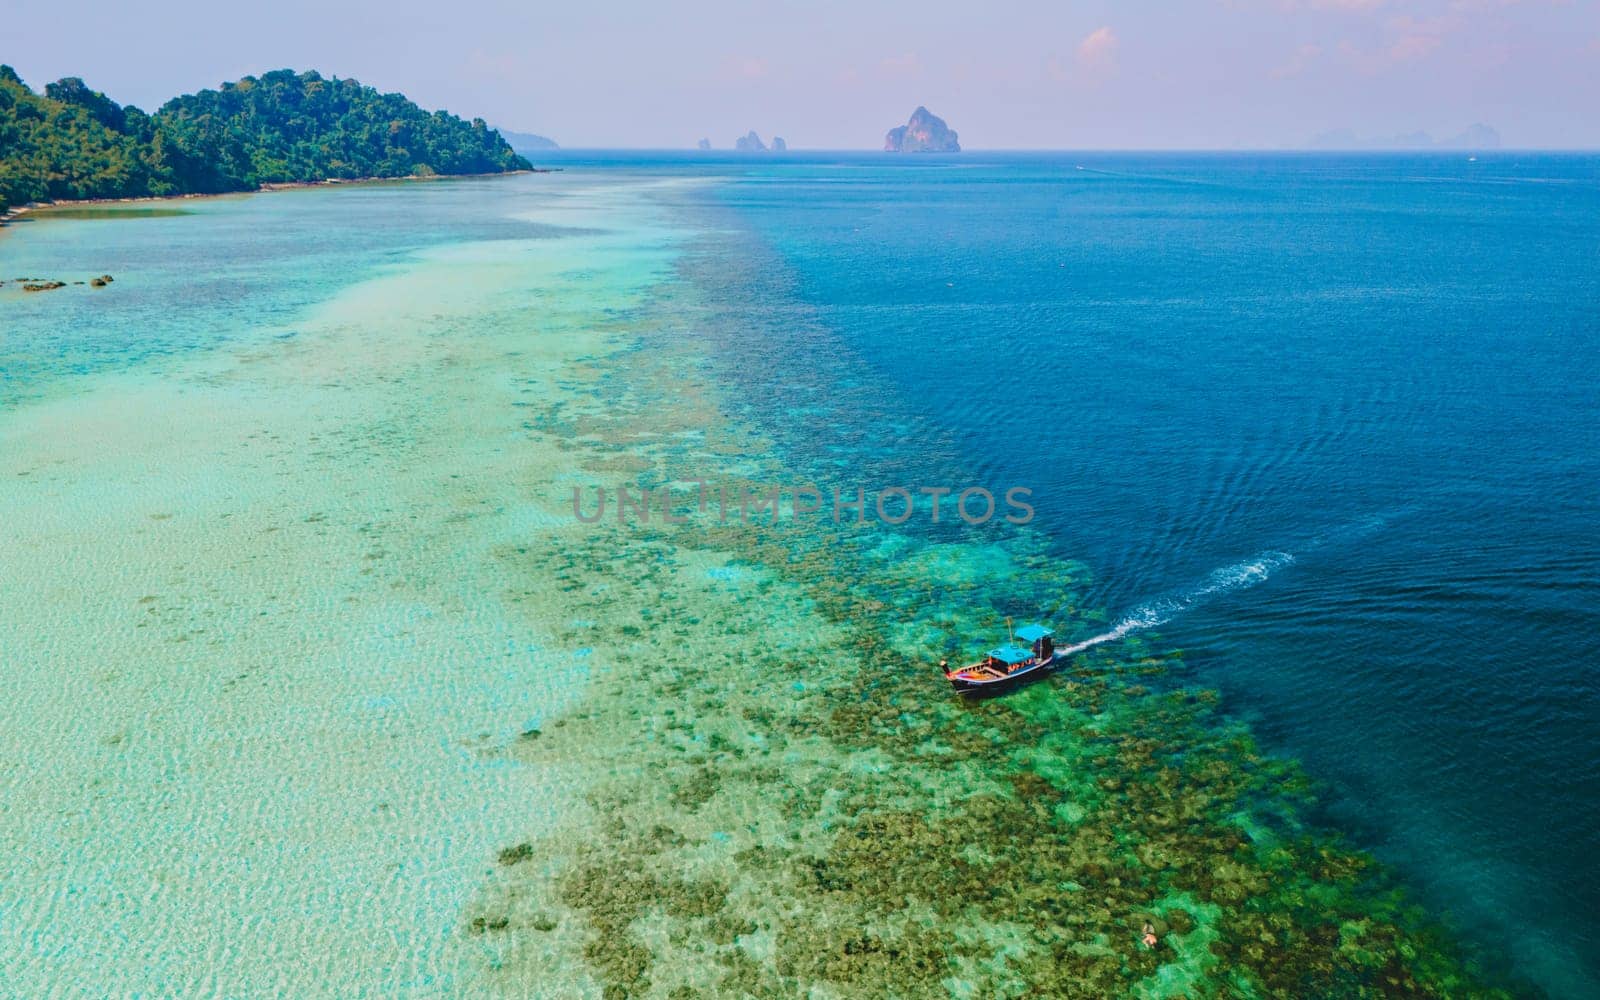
(1033,633)
(1011,654)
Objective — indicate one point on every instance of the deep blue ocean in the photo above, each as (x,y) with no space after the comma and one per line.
(1384,367)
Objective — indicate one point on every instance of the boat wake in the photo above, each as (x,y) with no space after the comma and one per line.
(1159,611)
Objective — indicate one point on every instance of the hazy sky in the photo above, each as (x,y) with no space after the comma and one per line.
(838,73)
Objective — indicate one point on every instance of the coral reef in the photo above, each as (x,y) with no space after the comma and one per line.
(785,798)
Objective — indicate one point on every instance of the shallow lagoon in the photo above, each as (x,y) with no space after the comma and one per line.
(253,634)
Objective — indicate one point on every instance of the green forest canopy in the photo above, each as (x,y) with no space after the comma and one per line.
(280,127)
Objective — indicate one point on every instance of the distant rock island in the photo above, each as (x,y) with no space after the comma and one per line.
(750,142)
(926,132)
(1478,136)
(523,141)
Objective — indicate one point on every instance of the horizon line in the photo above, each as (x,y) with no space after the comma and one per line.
(1467,150)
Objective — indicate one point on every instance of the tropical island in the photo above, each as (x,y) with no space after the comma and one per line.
(283,127)
(924,132)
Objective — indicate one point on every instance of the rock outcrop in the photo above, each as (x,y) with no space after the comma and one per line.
(778,145)
(750,143)
(925,132)
(703,145)
(51,284)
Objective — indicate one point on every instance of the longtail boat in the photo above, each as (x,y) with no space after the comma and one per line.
(1008,666)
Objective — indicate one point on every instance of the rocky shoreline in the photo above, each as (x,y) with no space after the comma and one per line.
(13,213)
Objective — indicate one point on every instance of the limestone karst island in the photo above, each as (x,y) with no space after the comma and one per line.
(925,132)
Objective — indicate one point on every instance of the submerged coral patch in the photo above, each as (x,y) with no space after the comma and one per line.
(787,800)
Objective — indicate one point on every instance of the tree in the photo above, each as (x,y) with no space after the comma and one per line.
(74,142)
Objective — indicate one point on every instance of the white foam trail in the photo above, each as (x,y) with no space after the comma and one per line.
(1360,528)
(1236,576)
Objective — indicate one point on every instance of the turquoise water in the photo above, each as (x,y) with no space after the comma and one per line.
(1387,368)
(223,268)
(276,645)
(255,635)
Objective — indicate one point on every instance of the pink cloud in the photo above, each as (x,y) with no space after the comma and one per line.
(1416,38)
(1405,39)
(1289,6)
(747,67)
(1098,48)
